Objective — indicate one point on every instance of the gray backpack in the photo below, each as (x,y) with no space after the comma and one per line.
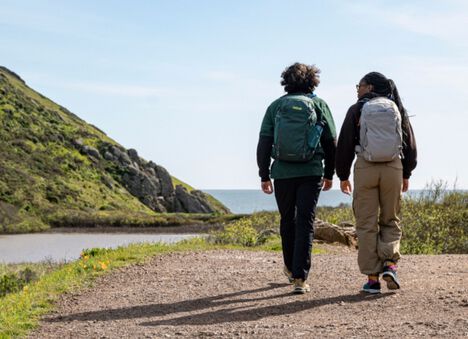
(380,131)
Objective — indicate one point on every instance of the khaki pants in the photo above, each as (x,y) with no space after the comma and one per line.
(376,204)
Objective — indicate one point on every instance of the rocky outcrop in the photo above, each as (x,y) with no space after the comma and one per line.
(193,202)
(344,233)
(150,183)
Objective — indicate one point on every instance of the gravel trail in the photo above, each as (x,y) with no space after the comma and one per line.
(243,294)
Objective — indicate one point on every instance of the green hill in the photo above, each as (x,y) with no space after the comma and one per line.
(54,165)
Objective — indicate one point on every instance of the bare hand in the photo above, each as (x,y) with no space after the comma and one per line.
(327,184)
(267,187)
(405,186)
(346,187)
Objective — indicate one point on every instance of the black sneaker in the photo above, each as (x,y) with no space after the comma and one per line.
(372,287)
(390,277)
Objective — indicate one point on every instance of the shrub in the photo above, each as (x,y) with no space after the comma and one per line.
(336,215)
(14,282)
(9,283)
(240,232)
(435,222)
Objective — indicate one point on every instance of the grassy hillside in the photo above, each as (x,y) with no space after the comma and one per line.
(43,172)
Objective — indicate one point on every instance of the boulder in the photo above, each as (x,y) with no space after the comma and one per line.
(150,183)
(189,203)
(108,156)
(331,233)
(133,154)
(124,159)
(202,198)
(91,151)
(142,186)
(167,188)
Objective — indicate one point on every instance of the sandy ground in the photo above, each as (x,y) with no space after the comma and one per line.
(243,294)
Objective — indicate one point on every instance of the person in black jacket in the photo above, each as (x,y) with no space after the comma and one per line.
(378,185)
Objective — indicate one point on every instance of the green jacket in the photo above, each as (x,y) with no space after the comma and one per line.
(326,151)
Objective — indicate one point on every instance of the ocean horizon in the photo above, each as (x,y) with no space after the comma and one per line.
(246,201)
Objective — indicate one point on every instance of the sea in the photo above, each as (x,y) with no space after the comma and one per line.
(248,201)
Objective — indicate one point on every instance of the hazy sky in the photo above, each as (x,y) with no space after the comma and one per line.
(186,83)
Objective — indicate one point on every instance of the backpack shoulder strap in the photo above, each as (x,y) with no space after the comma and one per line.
(317,110)
(357,115)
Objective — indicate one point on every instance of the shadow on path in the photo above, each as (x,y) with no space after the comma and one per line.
(228,315)
(144,311)
(221,315)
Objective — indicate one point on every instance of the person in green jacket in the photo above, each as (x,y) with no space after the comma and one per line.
(298,180)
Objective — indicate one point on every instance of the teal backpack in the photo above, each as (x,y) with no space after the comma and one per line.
(297,129)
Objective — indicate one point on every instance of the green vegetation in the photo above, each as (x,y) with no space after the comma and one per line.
(254,230)
(43,173)
(177,182)
(336,215)
(67,218)
(15,277)
(434,222)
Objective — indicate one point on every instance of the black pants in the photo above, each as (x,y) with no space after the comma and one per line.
(297,199)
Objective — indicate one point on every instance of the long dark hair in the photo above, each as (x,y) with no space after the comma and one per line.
(386,87)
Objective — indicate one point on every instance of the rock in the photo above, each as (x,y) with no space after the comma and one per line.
(331,233)
(133,154)
(121,156)
(150,171)
(91,151)
(144,187)
(124,159)
(203,200)
(151,183)
(167,188)
(108,156)
(188,202)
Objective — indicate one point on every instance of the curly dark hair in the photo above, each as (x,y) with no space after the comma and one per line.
(300,78)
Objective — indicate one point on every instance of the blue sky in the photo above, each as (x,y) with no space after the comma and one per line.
(186,83)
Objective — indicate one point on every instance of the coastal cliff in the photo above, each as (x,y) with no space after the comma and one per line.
(51,161)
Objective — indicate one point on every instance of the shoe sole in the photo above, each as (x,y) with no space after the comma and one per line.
(370,291)
(300,290)
(392,284)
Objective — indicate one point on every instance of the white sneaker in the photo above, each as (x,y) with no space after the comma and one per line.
(300,286)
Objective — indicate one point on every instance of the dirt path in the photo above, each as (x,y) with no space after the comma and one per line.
(243,294)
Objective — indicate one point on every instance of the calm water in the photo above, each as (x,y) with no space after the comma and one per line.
(249,201)
(68,246)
